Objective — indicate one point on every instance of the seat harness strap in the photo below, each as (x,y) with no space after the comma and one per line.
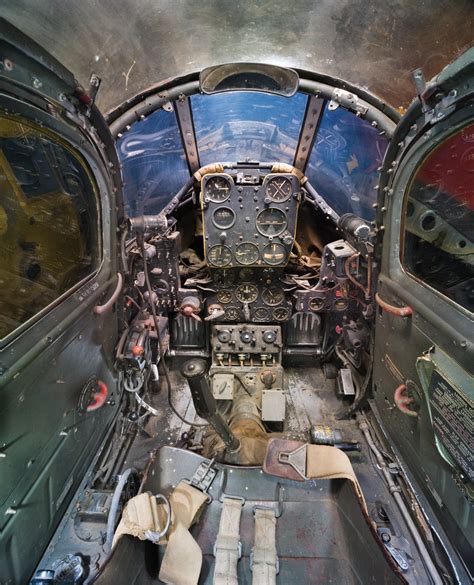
(263,558)
(228,548)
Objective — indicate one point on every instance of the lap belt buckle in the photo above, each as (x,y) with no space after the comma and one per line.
(296,459)
(203,477)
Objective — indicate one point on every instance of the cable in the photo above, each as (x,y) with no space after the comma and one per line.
(114,506)
(160,342)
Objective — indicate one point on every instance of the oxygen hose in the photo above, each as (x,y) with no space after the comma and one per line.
(160,342)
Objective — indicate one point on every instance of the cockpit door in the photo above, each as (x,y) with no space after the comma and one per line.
(424,349)
(59,211)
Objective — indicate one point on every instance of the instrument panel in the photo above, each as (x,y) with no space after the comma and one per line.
(249,222)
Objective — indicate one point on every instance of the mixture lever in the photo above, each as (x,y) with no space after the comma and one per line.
(195,372)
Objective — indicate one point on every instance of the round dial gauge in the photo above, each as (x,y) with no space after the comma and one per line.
(273,295)
(261,314)
(223,218)
(224,296)
(224,278)
(218,189)
(232,314)
(219,255)
(279,189)
(316,304)
(275,254)
(247,253)
(281,314)
(341,304)
(271,222)
(246,293)
(246,274)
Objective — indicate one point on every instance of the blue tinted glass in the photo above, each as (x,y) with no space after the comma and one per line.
(344,161)
(153,161)
(236,126)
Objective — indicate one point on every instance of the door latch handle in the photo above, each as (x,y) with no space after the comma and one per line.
(107,306)
(405,311)
(402,400)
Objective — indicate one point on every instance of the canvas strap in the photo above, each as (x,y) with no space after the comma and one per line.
(264,559)
(143,513)
(227,548)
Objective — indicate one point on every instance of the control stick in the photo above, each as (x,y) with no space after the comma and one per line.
(195,372)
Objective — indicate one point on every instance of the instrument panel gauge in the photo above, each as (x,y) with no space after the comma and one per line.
(273,295)
(223,218)
(281,314)
(316,303)
(224,278)
(217,189)
(232,314)
(261,314)
(247,253)
(278,189)
(246,274)
(224,296)
(271,222)
(275,254)
(341,304)
(246,293)
(219,255)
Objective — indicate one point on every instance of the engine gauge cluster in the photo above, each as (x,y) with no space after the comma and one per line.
(249,223)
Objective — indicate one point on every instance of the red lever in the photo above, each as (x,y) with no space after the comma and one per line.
(99,397)
(402,400)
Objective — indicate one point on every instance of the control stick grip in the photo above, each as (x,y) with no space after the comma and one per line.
(195,372)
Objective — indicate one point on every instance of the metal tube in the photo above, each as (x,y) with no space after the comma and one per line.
(395,491)
(195,372)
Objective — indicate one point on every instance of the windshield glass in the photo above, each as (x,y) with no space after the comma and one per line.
(154,165)
(246,125)
(344,162)
(239,126)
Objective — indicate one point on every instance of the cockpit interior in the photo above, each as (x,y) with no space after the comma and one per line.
(236,328)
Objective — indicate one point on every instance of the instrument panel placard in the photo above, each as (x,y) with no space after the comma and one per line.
(453,422)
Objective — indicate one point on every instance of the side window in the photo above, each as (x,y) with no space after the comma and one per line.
(49,232)
(438,245)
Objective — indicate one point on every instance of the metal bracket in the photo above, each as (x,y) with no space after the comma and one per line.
(348,100)
(203,477)
(397,556)
(296,459)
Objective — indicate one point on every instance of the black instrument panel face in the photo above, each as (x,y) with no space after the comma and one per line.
(249,224)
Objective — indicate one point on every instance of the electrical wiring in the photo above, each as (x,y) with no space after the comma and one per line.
(160,342)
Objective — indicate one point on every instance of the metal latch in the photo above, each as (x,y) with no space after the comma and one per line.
(296,459)
(203,477)
(397,555)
